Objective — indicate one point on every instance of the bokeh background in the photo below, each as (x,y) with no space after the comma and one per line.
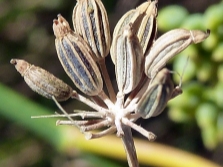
(193,122)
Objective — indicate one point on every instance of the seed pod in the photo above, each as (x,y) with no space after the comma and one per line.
(168,45)
(158,93)
(148,26)
(91,22)
(143,19)
(76,58)
(129,64)
(42,82)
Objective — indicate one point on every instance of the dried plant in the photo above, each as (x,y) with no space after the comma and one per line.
(144,84)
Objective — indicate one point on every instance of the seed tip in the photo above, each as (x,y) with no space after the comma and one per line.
(88,136)
(59,15)
(13,61)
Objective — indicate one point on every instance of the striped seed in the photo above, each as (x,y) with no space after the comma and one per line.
(168,45)
(144,23)
(129,56)
(91,22)
(76,58)
(155,98)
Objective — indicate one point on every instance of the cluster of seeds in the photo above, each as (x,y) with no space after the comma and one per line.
(144,85)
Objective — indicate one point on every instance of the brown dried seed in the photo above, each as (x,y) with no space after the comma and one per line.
(42,82)
(155,98)
(90,21)
(148,27)
(76,58)
(168,45)
(144,23)
(129,64)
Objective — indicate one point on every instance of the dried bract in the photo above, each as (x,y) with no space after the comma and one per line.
(76,58)
(42,82)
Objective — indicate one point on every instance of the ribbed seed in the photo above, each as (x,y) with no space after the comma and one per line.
(76,58)
(148,26)
(129,56)
(155,98)
(42,82)
(144,20)
(90,21)
(168,45)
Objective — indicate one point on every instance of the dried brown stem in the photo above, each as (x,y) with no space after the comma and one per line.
(129,147)
(105,98)
(96,125)
(105,132)
(149,135)
(90,103)
(107,80)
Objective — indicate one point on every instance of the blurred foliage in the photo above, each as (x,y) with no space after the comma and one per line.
(202,80)
(26,33)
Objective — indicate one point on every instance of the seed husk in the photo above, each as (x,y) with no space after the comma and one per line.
(91,22)
(129,64)
(155,98)
(168,45)
(42,82)
(76,58)
(143,19)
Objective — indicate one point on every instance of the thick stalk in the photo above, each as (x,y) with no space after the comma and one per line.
(129,146)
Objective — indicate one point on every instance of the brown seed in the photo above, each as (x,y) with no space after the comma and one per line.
(42,82)
(143,19)
(76,58)
(169,45)
(155,98)
(129,60)
(90,20)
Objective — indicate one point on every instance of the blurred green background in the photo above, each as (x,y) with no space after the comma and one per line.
(193,121)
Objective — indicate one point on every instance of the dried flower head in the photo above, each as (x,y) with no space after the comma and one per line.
(144,84)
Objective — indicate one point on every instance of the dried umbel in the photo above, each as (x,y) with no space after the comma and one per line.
(90,20)
(42,82)
(134,50)
(76,58)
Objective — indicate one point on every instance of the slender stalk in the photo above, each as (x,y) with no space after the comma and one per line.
(98,101)
(107,80)
(89,135)
(144,80)
(68,122)
(65,113)
(84,114)
(149,135)
(94,126)
(90,103)
(105,98)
